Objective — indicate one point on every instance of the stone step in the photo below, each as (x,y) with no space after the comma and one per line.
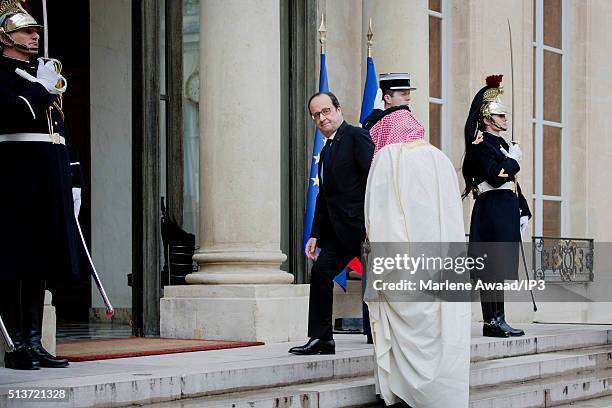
(547,392)
(146,385)
(603,402)
(540,339)
(327,394)
(544,365)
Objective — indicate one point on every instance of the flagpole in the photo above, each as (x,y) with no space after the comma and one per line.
(313,179)
(322,34)
(369,36)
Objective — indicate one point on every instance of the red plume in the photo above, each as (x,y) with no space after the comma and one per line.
(493,81)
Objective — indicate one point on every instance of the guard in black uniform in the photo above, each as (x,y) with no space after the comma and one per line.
(40,181)
(394,91)
(500,212)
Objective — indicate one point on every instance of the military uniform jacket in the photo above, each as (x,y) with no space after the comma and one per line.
(38,234)
(339,207)
(496,213)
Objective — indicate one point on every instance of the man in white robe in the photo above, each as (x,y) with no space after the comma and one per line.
(412,195)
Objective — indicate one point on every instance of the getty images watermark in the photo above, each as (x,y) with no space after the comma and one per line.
(457,264)
(455,271)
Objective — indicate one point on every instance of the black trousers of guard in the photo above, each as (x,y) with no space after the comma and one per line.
(21,307)
(492,304)
(331,261)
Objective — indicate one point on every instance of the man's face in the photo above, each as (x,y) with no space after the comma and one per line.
(497,123)
(397,98)
(27,36)
(326,117)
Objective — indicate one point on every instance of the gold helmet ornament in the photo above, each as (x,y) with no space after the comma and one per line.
(13,17)
(492,104)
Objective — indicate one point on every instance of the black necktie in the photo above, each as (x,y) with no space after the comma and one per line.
(326,158)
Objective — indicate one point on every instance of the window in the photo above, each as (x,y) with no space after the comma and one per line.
(550,79)
(191,128)
(437,67)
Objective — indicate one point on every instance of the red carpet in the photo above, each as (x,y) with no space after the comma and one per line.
(103,349)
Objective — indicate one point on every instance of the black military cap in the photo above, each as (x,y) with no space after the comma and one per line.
(395,81)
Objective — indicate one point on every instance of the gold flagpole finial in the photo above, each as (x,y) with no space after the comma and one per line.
(370,35)
(322,34)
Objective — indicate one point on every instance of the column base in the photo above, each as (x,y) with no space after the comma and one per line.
(268,313)
(236,278)
(230,267)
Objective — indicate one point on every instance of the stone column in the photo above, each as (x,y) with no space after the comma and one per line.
(239,292)
(240,144)
(401,44)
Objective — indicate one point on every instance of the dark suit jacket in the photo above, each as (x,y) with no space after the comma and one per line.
(339,208)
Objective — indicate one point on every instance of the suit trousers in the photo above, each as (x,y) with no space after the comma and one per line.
(332,259)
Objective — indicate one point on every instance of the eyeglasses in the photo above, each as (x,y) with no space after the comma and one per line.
(324,112)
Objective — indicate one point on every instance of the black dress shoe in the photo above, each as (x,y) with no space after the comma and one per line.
(494,329)
(21,359)
(315,346)
(292,349)
(46,359)
(511,330)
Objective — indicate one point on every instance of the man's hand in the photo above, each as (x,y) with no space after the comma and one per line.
(524,220)
(54,83)
(76,197)
(311,249)
(514,152)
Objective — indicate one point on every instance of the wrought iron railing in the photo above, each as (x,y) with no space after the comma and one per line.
(563,260)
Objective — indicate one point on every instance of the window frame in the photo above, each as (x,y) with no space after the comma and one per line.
(443,101)
(538,120)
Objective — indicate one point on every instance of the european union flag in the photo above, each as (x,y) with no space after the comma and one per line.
(313,180)
(369,91)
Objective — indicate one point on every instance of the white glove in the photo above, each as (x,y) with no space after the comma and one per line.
(46,76)
(378,100)
(76,198)
(524,220)
(514,152)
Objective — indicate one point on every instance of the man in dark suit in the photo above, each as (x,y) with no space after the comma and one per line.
(338,226)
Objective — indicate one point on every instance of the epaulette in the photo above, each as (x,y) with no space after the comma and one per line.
(479,139)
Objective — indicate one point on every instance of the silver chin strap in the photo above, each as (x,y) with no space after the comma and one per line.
(18,45)
(25,48)
(494,122)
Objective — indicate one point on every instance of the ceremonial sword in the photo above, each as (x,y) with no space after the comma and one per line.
(109,308)
(10,347)
(535,307)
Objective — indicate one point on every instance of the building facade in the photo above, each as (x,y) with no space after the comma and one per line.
(203,103)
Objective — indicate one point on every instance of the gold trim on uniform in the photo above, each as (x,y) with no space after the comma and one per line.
(503,173)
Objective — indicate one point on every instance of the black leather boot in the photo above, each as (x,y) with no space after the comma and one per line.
(21,359)
(494,329)
(491,326)
(501,318)
(10,306)
(34,294)
(45,358)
